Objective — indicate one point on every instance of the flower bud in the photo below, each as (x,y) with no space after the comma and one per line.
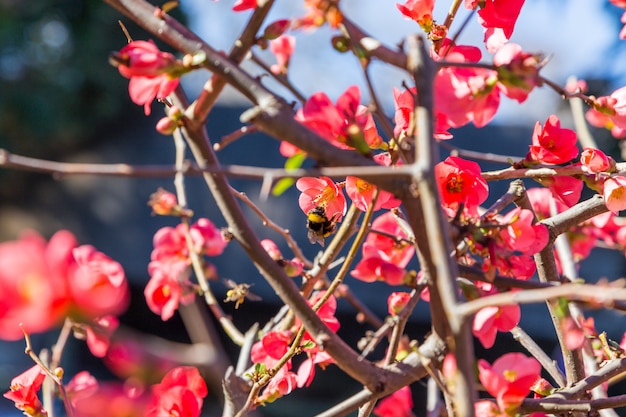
(397,301)
(275,29)
(163,203)
(272,249)
(294,267)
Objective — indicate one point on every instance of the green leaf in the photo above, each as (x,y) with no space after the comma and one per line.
(284,184)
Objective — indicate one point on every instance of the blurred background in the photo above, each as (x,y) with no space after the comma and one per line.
(61,100)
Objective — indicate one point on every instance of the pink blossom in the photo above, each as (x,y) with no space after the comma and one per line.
(597,119)
(420,11)
(321,192)
(459,182)
(83,385)
(518,71)
(33,283)
(99,334)
(166,288)
(489,320)
(486,408)
(306,370)
(24,389)
(272,249)
(144,90)
(392,250)
(398,404)
(143,59)
(384,258)
(326,313)
(509,378)
(98,285)
(181,393)
(498,17)
(552,144)
(396,302)
(242,5)
(346,125)
(111,400)
(464,94)
(595,160)
(163,202)
(614,107)
(282,48)
(280,385)
(541,198)
(567,190)
(361,193)
(615,193)
(271,348)
(207,238)
(521,234)
(374,268)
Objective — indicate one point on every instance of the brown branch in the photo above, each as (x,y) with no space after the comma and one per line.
(439,263)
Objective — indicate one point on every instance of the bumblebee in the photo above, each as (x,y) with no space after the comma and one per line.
(319,225)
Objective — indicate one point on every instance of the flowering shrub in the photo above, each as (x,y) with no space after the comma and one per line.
(396,213)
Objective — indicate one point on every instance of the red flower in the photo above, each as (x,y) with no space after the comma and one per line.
(498,17)
(521,234)
(242,5)
(509,378)
(375,268)
(595,160)
(144,90)
(346,125)
(397,301)
(398,404)
(207,239)
(464,94)
(181,393)
(489,320)
(282,48)
(552,144)
(98,286)
(459,182)
(419,10)
(518,71)
(83,385)
(149,71)
(166,288)
(143,59)
(321,192)
(615,193)
(23,391)
(610,112)
(566,189)
(99,334)
(33,283)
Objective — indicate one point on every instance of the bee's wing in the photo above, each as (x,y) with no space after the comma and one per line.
(229,283)
(252,296)
(314,238)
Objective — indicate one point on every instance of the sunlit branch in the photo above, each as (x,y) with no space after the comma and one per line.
(594,295)
(232,137)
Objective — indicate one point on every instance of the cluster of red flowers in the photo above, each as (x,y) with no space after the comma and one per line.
(275,344)
(42,283)
(170,263)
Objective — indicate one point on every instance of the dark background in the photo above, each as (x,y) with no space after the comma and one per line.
(60,100)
